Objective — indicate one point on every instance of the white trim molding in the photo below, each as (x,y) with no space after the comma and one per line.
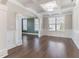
(66,33)
(11,39)
(75,38)
(3,53)
(26,8)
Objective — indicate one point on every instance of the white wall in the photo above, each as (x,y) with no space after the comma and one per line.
(3,30)
(76,24)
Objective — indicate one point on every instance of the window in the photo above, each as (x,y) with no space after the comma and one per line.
(51,24)
(24,24)
(36,24)
(56,23)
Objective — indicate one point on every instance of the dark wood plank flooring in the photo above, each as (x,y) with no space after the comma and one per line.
(44,47)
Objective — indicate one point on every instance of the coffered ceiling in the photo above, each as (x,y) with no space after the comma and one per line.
(36,4)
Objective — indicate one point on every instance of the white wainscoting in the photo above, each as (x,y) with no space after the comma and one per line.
(67,33)
(75,38)
(11,43)
(3,53)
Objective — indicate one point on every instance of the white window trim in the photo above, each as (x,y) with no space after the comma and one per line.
(56,26)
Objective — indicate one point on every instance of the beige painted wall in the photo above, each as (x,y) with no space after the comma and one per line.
(68,22)
(11,22)
(45,23)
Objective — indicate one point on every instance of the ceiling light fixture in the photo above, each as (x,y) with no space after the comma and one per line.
(49,6)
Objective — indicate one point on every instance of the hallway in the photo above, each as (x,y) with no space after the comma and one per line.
(45,47)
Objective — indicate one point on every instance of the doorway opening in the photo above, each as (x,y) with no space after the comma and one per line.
(30,26)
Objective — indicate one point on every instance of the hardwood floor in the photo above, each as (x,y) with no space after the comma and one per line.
(45,47)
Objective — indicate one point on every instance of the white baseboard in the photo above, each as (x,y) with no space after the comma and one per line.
(75,38)
(19,44)
(3,53)
(76,43)
(11,46)
(13,40)
(66,34)
(30,33)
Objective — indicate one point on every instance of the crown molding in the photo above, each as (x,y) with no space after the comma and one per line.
(27,9)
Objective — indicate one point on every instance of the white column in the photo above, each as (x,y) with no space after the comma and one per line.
(41,24)
(3,30)
(18,29)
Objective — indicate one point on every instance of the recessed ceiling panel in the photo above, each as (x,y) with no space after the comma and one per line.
(35,4)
